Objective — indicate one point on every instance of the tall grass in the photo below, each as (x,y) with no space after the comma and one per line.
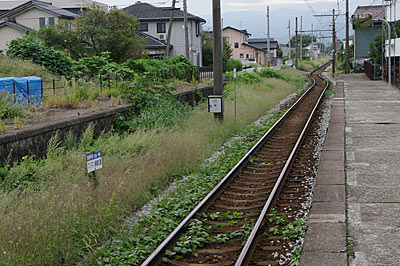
(59,220)
(15,67)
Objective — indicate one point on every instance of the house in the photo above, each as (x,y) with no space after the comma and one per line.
(154,21)
(241,49)
(31,15)
(262,43)
(154,46)
(367,25)
(74,6)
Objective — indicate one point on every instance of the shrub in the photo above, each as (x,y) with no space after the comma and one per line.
(28,48)
(270,73)
(234,64)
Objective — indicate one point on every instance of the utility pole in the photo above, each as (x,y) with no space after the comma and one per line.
(171,21)
(296,45)
(289,39)
(312,42)
(185,19)
(217,65)
(301,38)
(333,42)
(347,69)
(268,41)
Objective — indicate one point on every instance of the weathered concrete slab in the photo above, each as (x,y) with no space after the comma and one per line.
(332,156)
(327,208)
(329,193)
(326,237)
(331,166)
(372,170)
(312,258)
(333,177)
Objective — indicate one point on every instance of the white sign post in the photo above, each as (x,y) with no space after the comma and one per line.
(94,161)
(234,80)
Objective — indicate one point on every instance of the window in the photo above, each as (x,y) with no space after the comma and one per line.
(42,22)
(144,27)
(241,55)
(226,39)
(160,27)
(247,56)
(236,45)
(51,21)
(198,29)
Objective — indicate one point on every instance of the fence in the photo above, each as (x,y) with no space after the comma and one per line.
(373,71)
(395,75)
(36,93)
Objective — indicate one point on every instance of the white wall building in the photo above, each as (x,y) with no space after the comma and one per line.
(154,21)
(31,15)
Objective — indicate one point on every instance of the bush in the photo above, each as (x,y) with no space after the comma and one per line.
(270,73)
(234,64)
(28,48)
(245,77)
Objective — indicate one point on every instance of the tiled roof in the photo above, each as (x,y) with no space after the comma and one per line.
(153,43)
(13,25)
(253,46)
(45,6)
(242,31)
(147,12)
(7,5)
(378,12)
(261,43)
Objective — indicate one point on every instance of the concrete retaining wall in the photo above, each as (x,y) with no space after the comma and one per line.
(34,140)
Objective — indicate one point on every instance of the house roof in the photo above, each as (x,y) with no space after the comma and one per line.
(13,25)
(153,43)
(147,12)
(7,5)
(45,6)
(378,12)
(241,31)
(261,43)
(253,46)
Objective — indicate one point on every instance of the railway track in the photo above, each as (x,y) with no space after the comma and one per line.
(251,216)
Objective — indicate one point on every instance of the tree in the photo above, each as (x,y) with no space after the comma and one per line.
(95,32)
(306,40)
(207,51)
(376,49)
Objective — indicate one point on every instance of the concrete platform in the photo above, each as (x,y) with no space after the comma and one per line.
(368,115)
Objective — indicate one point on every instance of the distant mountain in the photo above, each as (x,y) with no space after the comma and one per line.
(255,22)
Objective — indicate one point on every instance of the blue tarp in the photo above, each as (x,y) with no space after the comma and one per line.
(21,89)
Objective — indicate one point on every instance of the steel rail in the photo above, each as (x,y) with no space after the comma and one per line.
(156,257)
(249,247)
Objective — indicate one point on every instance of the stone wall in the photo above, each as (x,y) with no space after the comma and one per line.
(34,140)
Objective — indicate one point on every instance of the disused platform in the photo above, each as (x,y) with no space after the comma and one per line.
(355,218)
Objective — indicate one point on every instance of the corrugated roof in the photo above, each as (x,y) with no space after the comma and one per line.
(378,12)
(147,12)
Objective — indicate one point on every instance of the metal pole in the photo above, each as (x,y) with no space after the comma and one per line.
(296,45)
(186,28)
(301,38)
(217,65)
(347,70)
(234,84)
(268,41)
(390,54)
(289,39)
(171,21)
(333,43)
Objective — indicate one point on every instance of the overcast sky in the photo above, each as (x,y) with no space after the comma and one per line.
(205,6)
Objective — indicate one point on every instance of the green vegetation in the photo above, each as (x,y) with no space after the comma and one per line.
(96,32)
(29,48)
(53,215)
(15,67)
